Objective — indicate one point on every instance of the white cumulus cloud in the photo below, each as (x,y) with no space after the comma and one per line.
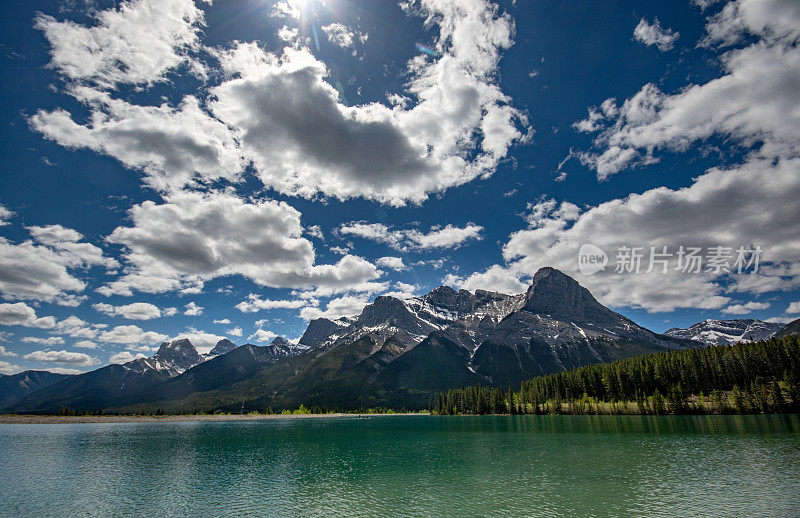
(744,309)
(20,314)
(62,357)
(9,368)
(653,34)
(195,237)
(730,203)
(395,263)
(131,335)
(4,352)
(448,236)
(134,311)
(5,215)
(753,103)
(193,310)
(137,43)
(125,357)
(254,303)
(40,269)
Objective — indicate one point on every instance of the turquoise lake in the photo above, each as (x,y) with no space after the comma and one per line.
(407,466)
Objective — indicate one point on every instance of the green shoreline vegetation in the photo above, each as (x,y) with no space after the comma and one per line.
(302,410)
(744,378)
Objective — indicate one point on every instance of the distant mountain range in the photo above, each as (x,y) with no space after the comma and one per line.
(727,332)
(20,385)
(110,385)
(396,353)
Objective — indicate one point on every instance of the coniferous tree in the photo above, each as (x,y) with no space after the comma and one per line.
(741,377)
(738,400)
(792,389)
(776,402)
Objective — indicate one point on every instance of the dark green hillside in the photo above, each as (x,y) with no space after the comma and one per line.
(415,377)
(740,378)
(17,386)
(226,369)
(335,378)
(90,391)
(792,328)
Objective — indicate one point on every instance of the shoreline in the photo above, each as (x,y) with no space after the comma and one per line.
(86,419)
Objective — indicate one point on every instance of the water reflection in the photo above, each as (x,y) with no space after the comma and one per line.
(629,424)
(518,465)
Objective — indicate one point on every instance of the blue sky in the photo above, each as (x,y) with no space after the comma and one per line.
(169,164)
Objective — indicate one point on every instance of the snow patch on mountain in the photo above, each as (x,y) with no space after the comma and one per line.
(727,332)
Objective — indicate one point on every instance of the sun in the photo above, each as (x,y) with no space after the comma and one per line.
(297,7)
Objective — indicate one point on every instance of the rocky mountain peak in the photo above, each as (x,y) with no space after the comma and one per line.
(318,331)
(280,342)
(222,347)
(445,297)
(180,353)
(280,347)
(441,293)
(552,292)
(383,309)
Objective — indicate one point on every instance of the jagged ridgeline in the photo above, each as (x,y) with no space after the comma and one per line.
(396,354)
(741,378)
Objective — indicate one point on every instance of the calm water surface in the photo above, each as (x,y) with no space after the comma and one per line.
(407,466)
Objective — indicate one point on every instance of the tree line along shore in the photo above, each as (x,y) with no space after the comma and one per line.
(744,378)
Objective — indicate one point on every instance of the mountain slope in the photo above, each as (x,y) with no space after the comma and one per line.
(93,390)
(410,320)
(104,387)
(223,370)
(336,377)
(172,358)
(792,328)
(222,347)
(409,382)
(17,386)
(727,332)
(556,325)
(320,330)
(559,325)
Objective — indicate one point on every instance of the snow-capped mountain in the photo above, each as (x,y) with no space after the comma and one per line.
(108,385)
(222,347)
(322,330)
(556,325)
(396,353)
(176,357)
(279,347)
(172,358)
(726,332)
(409,321)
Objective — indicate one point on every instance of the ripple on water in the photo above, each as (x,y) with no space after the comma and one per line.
(407,466)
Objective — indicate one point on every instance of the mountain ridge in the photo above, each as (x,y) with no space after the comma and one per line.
(792,328)
(396,352)
(726,332)
(16,386)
